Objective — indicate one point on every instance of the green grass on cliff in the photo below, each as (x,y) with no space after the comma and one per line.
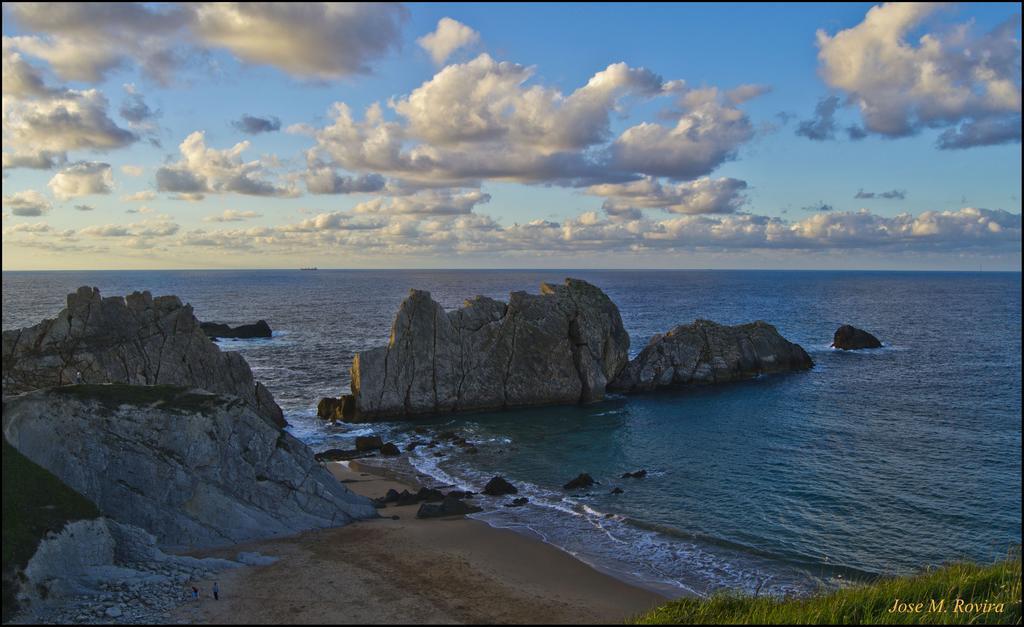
(35,503)
(999,585)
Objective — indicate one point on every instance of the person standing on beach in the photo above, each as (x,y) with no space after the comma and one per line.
(216,592)
(195,593)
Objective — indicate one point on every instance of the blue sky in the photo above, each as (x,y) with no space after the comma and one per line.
(755,193)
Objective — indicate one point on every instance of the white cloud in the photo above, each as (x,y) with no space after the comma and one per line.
(204,170)
(323,40)
(703,195)
(82,179)
(944,81)
(27,203)
(233,215)
(133,170)
(433,202)
(449,36)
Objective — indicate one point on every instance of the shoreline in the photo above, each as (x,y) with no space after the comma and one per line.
(411,570)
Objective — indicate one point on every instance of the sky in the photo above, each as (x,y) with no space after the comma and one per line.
(222,135)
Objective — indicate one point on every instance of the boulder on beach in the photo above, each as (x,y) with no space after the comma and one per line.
(850,338)
(136,339)
(561,346)
(448,507)
(581,482)
(214,330)
(498,486)
(708,352)
(390,450)
(192,468)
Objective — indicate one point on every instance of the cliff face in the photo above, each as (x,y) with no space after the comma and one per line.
(190,467)
(137,339)
(561,346)
(707,352)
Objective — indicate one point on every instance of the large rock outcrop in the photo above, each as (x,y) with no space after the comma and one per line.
(557,347)
(136,339)
(707,352)
(190,467)
(849,338)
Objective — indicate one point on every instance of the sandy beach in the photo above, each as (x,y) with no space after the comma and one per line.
(404,570)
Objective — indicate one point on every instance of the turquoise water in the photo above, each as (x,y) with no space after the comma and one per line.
(873,462)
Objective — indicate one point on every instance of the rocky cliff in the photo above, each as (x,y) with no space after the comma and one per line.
(190,467)
(560,346)
(707,352)
(137,339)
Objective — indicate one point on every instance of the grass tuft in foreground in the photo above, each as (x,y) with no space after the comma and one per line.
(35,502)
(951,595)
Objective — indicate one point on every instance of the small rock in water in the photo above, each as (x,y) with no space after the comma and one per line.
(518,502)
(617,490)
(580,482)
(851,338)
(639,474)
(390,450)
(499,487)
(368,443)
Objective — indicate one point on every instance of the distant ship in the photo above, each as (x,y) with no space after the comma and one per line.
(313,268)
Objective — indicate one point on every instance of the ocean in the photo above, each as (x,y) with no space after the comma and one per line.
(873,462)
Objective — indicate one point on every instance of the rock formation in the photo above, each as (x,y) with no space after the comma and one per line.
(707,352)
(850,338)
(137,339)
(190,467)
(335,409)
(215,330)
(561,346)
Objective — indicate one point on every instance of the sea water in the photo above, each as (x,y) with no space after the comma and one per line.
(873,462)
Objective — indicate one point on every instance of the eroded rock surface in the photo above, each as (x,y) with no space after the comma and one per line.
(192,468)
(708,352)
(557,347)
(137,339)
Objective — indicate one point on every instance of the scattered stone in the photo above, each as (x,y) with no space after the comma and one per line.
(639,474)
(850,338)
(336,409)
(461,494)
(448,507)
(519,502)
(617,490)
(390,450)
(339,455)
(580,482)
(499,487)
(369,443)
(214,330)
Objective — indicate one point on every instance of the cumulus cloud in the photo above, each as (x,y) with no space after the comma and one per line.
(703,195)
(481,120)
(133,170)
(961,81)
(41,124)
(433,203)
(82,179)
(253,125)
(321,40)
(233,215)
(326,180)
(26,204)
(895,194)
(708,132)
(449,36)
(159,227)
(204,170)
(134,108)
